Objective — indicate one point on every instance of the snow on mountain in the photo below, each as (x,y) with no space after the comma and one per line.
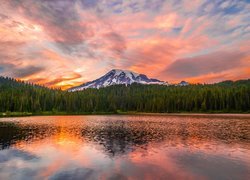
(183,83)
(117,76)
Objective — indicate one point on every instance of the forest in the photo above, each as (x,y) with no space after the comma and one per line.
(223,97)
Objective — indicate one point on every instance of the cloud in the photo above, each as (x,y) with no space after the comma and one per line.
(53,39)
(9,50)
(20,72)
(27,71)
(3,17)
(204,64)
(59,18)
(89,3)
(116,41)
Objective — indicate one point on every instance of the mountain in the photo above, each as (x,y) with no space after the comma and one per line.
(182,83)
(117,76)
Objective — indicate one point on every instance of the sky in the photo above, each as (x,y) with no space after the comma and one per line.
(64,43)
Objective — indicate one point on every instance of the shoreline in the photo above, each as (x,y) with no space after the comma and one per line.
(28,114)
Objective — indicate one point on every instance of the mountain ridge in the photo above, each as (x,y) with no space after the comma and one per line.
(118,76)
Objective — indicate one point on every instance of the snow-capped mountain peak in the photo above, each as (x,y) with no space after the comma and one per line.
(129,74)
(118,76)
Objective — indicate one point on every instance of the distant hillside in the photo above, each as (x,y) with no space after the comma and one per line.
(234,83)
(7,82)
(227,96)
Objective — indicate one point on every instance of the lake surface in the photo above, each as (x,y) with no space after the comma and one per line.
(125,147)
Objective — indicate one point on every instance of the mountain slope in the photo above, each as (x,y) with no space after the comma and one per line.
(117,76)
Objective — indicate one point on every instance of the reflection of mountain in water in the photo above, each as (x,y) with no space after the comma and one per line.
(119,139)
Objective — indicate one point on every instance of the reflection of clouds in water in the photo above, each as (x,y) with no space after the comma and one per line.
(207,165)
(76,174)
(6,155)
(18,164)
(118,147)
(140,164)
(10,154)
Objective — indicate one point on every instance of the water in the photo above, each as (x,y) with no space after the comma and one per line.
(125,147)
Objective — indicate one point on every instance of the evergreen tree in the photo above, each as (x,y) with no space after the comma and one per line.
(228,96)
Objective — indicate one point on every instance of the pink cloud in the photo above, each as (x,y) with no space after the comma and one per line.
(53,39)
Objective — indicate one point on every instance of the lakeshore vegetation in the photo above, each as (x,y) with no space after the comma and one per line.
(26,99)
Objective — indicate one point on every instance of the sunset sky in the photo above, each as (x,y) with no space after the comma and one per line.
(63,43)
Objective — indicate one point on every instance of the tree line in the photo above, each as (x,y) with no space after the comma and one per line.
(227,96)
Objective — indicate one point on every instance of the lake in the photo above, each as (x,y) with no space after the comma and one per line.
(125,147)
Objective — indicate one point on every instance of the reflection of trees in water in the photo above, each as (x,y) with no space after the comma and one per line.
(11,133)
(122,136)
(119,137)
(116,138)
